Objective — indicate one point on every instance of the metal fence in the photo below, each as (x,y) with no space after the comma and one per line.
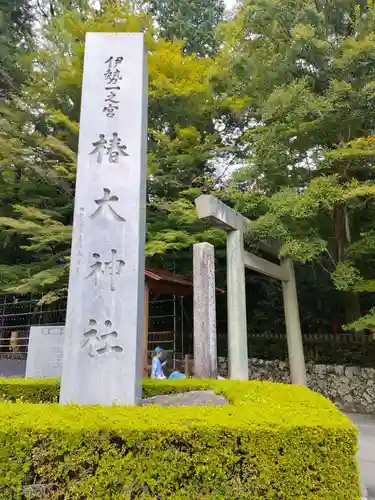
(17,314)
(171,323)
(325,348)
(311,338)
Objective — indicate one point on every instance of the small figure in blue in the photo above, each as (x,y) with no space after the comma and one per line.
(157,367)
(176,375)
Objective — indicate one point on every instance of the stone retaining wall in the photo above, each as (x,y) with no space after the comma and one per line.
(351,388)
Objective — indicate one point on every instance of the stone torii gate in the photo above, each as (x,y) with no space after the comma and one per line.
(210,208)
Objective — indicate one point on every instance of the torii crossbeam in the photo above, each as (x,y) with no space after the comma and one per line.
(211,209)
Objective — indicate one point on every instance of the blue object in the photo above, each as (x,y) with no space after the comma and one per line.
(176,375)
(157,369)
(158,350)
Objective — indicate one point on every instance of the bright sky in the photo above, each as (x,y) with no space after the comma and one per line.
(230,3)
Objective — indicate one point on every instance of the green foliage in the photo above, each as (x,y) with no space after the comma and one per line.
(305,73)
(193,22)
(29,390)
(296,216)
(365,322)
(272,441)
(345,276)
(39,144)
(284,89)
(15,40)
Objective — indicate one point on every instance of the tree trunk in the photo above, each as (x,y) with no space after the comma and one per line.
(343,239)
(352,307)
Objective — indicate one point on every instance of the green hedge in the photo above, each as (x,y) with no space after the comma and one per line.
(29,390)
(272,442)
(26,390)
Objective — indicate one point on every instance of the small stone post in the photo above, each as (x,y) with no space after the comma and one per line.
(205,350)
(293,327)
(237,326)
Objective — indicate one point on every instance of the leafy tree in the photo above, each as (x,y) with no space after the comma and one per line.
(194,22)
(305,72)
(15,41)
(289,96)
(40,144)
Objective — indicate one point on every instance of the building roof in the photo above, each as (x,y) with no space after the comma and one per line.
(166,282)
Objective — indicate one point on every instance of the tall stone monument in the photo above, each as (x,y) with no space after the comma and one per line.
(102,362)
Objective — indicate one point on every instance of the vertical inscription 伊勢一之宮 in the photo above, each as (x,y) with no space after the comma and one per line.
(112,78)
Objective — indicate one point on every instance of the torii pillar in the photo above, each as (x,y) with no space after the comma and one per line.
(210,208)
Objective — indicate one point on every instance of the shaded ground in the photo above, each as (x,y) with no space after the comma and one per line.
(366,454)
(12,367)
(192,398)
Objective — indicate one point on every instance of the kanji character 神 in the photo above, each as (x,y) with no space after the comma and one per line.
(109,269)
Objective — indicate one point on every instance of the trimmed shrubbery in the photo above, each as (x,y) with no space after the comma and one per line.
(272,442)
(45,390)
(29,390)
